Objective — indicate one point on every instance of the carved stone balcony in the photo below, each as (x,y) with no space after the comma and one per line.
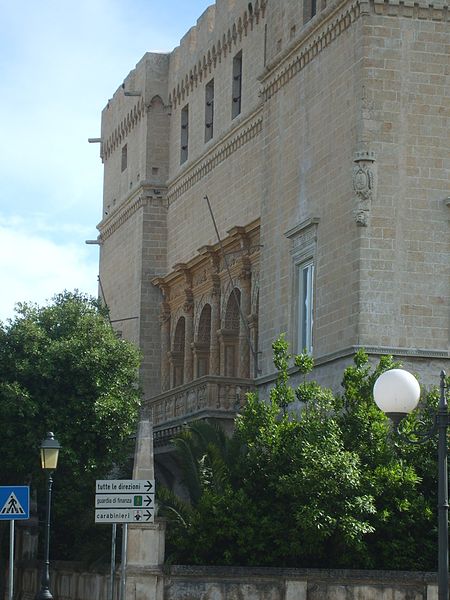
(210,397)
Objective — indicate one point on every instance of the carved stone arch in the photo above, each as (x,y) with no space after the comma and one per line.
(177,352)
(202,341)
(230,334)
(227,291)
(174,318)
(156,102)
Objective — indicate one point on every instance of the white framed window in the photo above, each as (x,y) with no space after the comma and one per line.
(305,306)
(303,239)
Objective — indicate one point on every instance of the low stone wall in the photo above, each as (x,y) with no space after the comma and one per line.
(70,581)
(232,583)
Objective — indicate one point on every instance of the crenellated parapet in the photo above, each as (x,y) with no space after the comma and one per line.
(121,131)
(222,40)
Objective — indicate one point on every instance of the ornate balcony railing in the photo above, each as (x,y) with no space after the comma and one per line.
(212,396)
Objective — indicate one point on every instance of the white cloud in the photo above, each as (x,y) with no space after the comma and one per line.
(34,269)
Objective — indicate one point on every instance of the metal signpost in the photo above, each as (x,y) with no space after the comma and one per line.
(123,501)
(14,504)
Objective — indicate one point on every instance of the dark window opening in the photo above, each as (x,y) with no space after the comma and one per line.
(237,85)
(124,161)
(209,110)
(184,133)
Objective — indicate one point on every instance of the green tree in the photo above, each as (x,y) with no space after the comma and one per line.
(63,369)
(308,479)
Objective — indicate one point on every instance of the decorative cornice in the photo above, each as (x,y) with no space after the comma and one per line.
(132,204)
(331,23)
(234,140)
(204,67)
(123,129)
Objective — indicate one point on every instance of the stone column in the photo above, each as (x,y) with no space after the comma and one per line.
(214,347)
(146,542)
(253,325)
(195,360)
(244,346)
(220,338)
(189,336)
(171,370)
(165,346)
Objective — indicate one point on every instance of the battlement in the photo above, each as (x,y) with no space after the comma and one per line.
(219,28)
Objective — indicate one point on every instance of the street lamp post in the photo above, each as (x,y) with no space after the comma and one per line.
(49,459)
(397,393)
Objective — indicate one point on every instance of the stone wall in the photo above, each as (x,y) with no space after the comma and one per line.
(340,151)
(70,581)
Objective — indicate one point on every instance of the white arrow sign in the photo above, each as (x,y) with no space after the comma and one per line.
(117,515)
(124,486)
(124,501)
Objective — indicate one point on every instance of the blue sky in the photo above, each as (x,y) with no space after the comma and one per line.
(60,61)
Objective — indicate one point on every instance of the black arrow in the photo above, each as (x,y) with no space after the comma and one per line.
(148,500)
(148,515)
(149,486)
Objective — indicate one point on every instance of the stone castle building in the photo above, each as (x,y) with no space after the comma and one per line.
(315,136)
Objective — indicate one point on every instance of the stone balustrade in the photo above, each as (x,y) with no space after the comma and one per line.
(211,396)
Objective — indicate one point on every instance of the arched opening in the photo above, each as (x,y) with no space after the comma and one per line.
(203,342)
(178,353)
(231,334)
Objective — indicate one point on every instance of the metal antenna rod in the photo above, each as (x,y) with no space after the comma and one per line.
(243,319)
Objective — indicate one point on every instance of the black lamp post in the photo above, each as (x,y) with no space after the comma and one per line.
(397,393)
(49,459)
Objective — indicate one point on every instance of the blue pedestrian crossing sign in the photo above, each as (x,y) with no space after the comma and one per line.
(14,502)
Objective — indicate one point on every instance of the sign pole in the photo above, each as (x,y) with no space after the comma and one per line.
(124,561)
(113,560)
(11,560)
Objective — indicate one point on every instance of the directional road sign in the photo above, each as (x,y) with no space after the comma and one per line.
(124,501)
(14,502)
(125,486)
(124,515)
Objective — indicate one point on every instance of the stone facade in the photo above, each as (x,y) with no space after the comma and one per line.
(314,136)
